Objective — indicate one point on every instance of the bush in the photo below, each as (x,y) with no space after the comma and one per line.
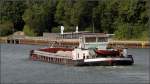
(66,29)
(89,29)
(122,31)
(6,29)
(28,31)
(133,32)
(145,35)
(55,30)
(69,29)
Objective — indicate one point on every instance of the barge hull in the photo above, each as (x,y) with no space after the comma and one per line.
(51,58)
(87,62)
(109,63)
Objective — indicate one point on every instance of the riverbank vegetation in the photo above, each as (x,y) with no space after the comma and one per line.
(127,19)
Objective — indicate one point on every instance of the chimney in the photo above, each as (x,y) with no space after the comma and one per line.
(62,29)
(76,29)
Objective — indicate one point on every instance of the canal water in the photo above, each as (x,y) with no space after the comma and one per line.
(17,68)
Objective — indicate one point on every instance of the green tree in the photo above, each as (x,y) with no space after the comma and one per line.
(78,11)
(133,13)
(128,19)
(81,14)
(11,14)
(39,16)
(63,14)
(31,19)
(60,12)
(6,28)
(12,11)
(104,15)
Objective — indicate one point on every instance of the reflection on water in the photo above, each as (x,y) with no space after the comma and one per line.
(16,68)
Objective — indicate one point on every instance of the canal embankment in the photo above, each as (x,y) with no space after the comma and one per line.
(69,42)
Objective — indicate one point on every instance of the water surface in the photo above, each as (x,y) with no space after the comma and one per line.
(17,68)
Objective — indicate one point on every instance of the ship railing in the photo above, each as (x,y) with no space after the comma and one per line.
(47,54)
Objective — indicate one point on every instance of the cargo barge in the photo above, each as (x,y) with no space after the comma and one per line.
(92,50)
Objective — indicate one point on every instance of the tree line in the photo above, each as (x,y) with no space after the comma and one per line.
(127,19)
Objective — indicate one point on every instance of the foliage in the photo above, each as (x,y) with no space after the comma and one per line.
(145,35)
(89,29)
(131,13)
(6,28)
(59,16)
(55,30)
(12,11)
(39,16)
(127,19)
(78,11)
(28,31)
(122,31)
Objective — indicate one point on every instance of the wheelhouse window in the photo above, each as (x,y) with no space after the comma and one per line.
(102,39)
(90,39)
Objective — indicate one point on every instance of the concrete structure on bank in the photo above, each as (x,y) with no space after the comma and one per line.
(70,39)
